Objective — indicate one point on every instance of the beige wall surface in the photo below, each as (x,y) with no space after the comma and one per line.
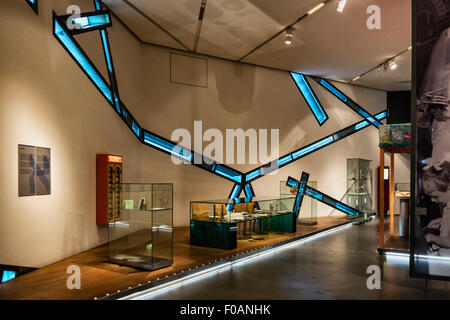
(46,100)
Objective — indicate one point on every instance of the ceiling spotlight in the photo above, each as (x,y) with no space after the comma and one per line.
(392,64)
(341,5)
(288,36)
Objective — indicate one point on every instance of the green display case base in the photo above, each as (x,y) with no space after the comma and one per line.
(213,234)
(225,235)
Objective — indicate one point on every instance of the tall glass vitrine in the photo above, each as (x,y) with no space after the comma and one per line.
(359,185)
(143,238)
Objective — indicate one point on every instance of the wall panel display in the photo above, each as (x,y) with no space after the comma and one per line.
(430,223)
(34,171)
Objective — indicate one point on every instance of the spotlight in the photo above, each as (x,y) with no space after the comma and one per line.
(288,37)
(341,5)
(392,64)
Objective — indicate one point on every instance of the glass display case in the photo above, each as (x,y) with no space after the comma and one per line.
(308,211)
(402,190)
(143,238)
(395,135)
(220,223)
(359,185)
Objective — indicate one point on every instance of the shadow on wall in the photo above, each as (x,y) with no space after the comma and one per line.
(235,87)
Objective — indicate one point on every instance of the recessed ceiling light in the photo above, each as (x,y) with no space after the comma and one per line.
(341,5)
(356,78)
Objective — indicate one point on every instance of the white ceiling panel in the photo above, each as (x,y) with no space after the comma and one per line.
(145,30)
(231,28)
(339,45)
(179,17)
(327,43)
(391,80)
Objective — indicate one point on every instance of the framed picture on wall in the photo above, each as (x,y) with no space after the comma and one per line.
(34,171)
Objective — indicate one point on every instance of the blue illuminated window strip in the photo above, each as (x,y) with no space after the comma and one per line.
(292,182)
(381,115)
(314,194)
(310,97)
(346,209)
(313,147)
(253,175)
(97,5)
(248,191)
(233,197)
(361,125)
(333,90)
(136,129)
(369,117)
(335,137)
(107,52)
(92,21)
(81,59)
(109,65)
(228,173)
(33,4)
(167,146)
(8,275)
(285,160)
(236,191)
(344,98)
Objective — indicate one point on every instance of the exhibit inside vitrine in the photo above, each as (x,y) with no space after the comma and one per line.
(109,108)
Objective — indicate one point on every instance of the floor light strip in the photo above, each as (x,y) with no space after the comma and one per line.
(420,256)
(145,294)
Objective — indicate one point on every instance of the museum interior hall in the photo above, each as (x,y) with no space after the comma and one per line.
(224,149)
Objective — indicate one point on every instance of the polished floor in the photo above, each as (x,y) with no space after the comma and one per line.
(331,267)
(100,278)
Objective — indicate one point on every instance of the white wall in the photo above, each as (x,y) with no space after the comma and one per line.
(46,100)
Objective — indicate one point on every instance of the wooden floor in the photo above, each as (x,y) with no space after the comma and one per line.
(99,277)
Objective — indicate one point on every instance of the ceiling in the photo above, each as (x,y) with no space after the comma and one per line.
(327,43)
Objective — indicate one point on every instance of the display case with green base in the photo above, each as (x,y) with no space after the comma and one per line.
(143,238)
(222,223)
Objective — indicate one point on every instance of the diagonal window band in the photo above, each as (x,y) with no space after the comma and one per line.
(240,180)
(305,190)
(349,102)
(310,97)
(33,4)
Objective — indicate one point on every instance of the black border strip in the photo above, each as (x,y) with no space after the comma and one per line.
(34,6)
